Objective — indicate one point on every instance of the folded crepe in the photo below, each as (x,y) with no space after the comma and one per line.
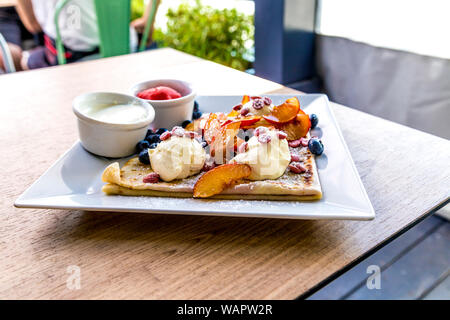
(128,181)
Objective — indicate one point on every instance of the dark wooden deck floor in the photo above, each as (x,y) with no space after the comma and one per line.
(414,266)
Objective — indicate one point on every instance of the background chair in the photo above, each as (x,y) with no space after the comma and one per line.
(7,58)
(113,18)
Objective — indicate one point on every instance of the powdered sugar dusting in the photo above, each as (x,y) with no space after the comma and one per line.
(289,183)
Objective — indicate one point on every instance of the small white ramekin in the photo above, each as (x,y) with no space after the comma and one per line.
(110,139)
(169,113)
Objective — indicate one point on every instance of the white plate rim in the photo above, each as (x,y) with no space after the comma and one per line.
(22,202)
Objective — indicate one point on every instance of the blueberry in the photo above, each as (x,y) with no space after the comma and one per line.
(314,120)
(185,123)
(153,138)
(153,145)
(160,131)
(248,134)
(315,146)
(245,134)
(143,157)
(196,115)
(149,132)
(141,145)
(196,107)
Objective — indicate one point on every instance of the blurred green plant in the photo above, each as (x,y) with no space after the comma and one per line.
(137,9)
(220,35)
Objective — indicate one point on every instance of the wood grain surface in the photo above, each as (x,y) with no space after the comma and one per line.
(144,256)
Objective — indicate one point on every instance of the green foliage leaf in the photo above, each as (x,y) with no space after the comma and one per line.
(220,35)
(137,9)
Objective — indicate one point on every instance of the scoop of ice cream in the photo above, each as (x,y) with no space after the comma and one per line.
(259,107)
(267,155)
(177,158)
(159,93)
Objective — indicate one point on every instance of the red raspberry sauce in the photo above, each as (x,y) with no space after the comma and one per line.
(159,93)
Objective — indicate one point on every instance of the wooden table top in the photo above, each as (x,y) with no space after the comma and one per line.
(124,255)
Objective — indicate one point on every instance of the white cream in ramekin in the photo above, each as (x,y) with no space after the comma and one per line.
(169,113)
(113,132)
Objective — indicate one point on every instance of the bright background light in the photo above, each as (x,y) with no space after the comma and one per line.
(419,26)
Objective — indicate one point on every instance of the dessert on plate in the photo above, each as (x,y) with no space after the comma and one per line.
(257,151)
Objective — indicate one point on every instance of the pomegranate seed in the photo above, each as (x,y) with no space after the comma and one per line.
(293,168)
(304,142)
(296,167)
(294,143)
(255,97)
(258,104)
(267,101)
(245,111)
(178,131)
(295,157)
(189,134)
(208,166)
(282,135)
(166,135)
(260,130)
(264,138)
(301,167)
(238,107)
(151,178)
(243,147)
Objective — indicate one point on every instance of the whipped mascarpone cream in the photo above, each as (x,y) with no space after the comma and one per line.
(267,160)
(264,111)
(177,158)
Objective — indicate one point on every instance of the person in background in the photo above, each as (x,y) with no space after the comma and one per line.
(140,13)
(78,27)
(15,31)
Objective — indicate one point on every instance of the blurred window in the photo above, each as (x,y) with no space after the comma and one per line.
(419,26)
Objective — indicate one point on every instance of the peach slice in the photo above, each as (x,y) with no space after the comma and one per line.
(226,122)
(197,125)
(190,126)
(234,113)
(285,112)
(298,128)
(216,180)
(260,123)
(221,116)
(245,99)
(211,128)
(304,122)
(245,122)
(248,121)
(238,142)
(300,111)
(224,138)
(294,101)
(209,123)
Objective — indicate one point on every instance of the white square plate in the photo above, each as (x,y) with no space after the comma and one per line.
(74,182)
